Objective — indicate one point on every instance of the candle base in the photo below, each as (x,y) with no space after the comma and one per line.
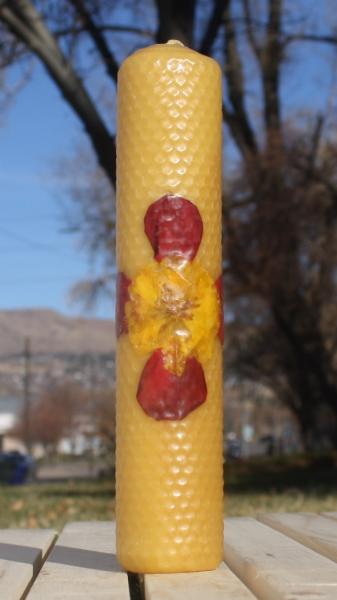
(169,564)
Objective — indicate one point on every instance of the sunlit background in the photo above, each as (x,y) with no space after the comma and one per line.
(57,264)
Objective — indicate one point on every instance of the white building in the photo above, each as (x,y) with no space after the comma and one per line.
(9,409)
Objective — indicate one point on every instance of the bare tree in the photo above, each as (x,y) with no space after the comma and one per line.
(280,207)
(281,280)
(53,415)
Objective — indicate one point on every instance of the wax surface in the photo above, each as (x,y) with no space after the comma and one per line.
(169,495)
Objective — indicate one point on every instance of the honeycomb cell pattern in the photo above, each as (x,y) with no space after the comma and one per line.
(169,509)
(169,141)
(169,499)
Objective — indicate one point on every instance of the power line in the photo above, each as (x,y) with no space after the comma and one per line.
(25,240)
(25,282)
(31,219)
(20,238)
(32,243)
(5,250)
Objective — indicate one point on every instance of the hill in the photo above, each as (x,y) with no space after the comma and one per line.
(52,333)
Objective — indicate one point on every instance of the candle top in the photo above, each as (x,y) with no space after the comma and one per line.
(173,49)
(174,43)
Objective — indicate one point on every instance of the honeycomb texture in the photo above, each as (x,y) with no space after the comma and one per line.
(169,509)
(169,141)
(169,499)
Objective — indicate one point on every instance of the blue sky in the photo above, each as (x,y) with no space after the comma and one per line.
(39,261)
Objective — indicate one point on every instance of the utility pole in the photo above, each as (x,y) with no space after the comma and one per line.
(27,394)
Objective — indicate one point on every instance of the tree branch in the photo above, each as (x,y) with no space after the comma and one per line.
(27,25)
(97,37)
(238,118)
(11,50)
(310,363)
(249,28)
(237,132)
(76,30)
(271,57)
(308,37)
(164,28)
(315,144)
(213,26)
(175,21)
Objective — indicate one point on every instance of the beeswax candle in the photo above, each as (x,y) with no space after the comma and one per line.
(169,489)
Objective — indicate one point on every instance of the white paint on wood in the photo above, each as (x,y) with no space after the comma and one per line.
(209,585)
(21,556)
(82,566)
(315,531)
(276,567)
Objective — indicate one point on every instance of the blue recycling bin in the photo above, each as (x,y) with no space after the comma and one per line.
(15,468)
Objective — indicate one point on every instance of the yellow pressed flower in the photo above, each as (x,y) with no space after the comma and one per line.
(174,305)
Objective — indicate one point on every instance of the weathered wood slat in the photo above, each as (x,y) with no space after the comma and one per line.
(22,553)
(330,515)
(82,566)
(312,530)
(221,584)
(276,567)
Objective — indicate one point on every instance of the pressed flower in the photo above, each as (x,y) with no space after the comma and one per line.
(173,305)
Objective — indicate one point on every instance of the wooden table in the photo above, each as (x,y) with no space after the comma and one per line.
(285,556)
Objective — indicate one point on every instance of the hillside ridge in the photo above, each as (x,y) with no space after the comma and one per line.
(52,332)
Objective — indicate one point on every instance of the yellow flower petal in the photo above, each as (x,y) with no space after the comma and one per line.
(174,305)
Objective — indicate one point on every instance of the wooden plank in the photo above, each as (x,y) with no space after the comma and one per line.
(211,585)
(330,515)
(314,531)
(82,565)
(22,553)
(276,567)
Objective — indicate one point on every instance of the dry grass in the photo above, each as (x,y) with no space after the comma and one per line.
(260,485)
(54,504)
(278,485)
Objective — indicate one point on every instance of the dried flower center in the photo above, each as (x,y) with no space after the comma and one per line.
(174,305)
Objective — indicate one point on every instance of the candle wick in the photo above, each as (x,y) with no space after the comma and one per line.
(174,43)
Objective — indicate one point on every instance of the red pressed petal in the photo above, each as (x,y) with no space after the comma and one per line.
(174,227)
(122,297)
(166,396)
(219,287)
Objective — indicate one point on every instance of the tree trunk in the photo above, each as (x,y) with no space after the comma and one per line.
(309,380)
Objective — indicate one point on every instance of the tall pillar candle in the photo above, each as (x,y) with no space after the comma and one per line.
(169,489)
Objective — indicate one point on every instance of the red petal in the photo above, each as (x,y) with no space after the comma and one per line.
(122,297)
(174,227)
(219,287)
(166,396)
